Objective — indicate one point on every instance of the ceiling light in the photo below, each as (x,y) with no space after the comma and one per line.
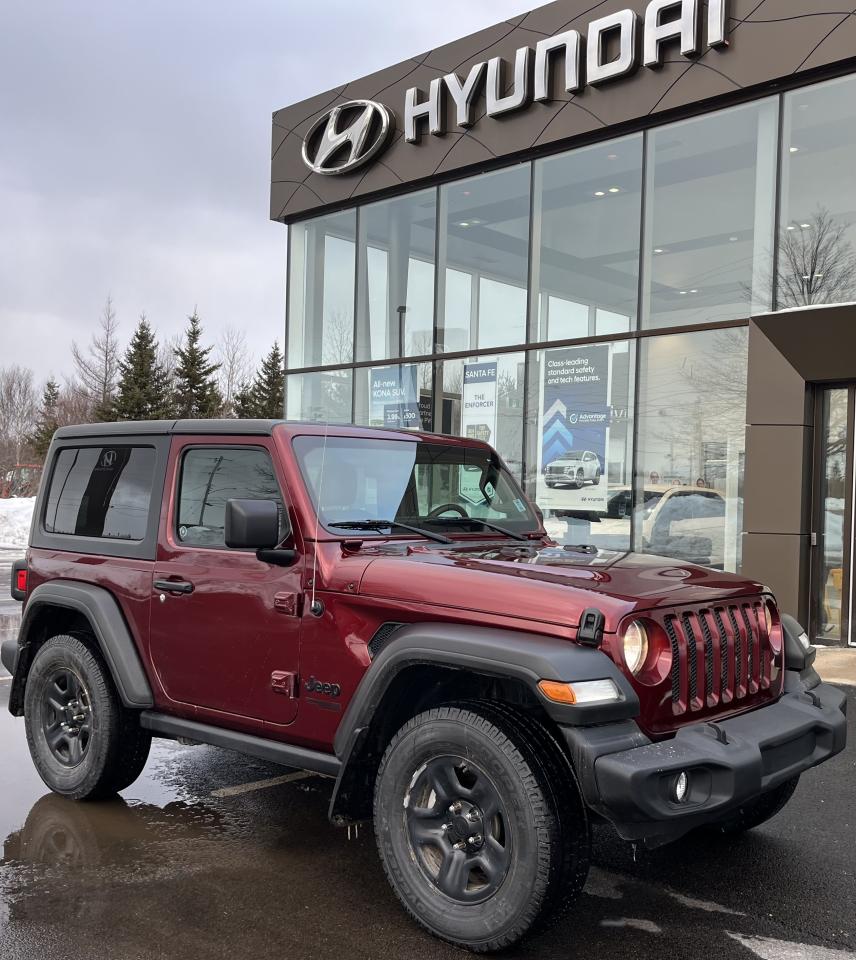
(683,293)
(464,223)
(615,190)
(805,226)
(693,291)
(658,249)
(733,239)
(612,156)
(795,149)
(599,193)
(791,227)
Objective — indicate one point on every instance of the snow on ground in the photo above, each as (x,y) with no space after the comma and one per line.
(15,516)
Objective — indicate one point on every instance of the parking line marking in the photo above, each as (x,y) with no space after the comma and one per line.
(769,949)
(243,788)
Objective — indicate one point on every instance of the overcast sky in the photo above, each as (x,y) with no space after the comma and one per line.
(135,152)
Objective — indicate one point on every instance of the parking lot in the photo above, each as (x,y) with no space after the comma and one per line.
(214,855)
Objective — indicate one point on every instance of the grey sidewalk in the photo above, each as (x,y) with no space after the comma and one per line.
(837,664)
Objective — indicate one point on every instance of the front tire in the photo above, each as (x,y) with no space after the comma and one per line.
(84,743)
(480,825)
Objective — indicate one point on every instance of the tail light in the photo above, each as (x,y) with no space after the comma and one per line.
(20,580)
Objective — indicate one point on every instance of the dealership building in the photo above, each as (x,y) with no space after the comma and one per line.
(617,240)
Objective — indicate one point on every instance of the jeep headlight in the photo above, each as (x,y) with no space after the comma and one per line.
(635,646)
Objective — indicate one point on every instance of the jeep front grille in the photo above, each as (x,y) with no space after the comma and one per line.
(721,655)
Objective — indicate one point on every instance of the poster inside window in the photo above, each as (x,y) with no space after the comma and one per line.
(397,397)
(579,442)
(482,398)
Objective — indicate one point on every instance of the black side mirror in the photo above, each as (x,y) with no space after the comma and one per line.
(252,524)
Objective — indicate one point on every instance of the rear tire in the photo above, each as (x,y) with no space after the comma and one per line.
(492,781)
(758,811)
(84,743)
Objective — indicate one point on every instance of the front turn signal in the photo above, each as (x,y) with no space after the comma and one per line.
(580,692)
(557,692)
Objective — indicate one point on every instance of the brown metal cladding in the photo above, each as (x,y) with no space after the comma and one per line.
(769,41)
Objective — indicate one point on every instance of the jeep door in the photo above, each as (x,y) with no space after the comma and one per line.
(225,626)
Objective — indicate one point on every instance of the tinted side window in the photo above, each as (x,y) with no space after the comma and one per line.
(210,478)
(101,492)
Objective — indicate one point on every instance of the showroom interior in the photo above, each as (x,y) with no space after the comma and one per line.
(640,292)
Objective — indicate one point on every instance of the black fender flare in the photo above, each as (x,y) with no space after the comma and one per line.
(489,652)
(102,611)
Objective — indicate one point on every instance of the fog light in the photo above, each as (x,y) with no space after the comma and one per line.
(681,789)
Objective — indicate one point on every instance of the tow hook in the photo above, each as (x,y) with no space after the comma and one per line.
(719,733)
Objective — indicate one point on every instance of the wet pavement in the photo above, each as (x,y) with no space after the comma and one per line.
(211,855)
(10,610)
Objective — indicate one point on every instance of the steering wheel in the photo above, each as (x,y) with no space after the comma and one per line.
(445,508)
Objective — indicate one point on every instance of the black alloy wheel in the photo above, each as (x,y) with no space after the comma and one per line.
(66,716)
(459,829)
(480,824)
(84,742)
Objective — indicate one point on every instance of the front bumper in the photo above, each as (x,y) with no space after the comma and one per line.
(629,780)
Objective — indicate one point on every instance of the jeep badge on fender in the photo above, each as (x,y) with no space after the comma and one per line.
(483,672)
(327,689)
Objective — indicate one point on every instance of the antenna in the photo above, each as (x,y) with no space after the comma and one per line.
(316,608)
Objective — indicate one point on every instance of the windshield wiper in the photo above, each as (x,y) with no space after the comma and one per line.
(392,525)
(485,523)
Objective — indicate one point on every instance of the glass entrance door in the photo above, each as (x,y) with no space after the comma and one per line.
(832,582)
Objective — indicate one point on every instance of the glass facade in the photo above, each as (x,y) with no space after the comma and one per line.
(711,213)
(549,308)
(817,258)
(484,257)
(396,269)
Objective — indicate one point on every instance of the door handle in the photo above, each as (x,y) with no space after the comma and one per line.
(173,586)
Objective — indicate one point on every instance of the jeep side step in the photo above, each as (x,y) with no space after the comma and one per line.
(174,728)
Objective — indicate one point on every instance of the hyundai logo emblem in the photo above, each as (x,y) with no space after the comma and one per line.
(347,136)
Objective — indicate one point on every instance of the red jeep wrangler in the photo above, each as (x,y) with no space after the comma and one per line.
(386,609)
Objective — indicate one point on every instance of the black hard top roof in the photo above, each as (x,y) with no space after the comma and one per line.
(160,428)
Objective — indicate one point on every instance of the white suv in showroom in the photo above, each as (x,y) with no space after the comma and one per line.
(573,468)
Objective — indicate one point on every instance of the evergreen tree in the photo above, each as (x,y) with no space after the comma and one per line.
(48,420)
(265,398)
(143,392)
(197,394)
(245,401)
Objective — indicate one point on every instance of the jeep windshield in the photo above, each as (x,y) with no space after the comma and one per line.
(438,487)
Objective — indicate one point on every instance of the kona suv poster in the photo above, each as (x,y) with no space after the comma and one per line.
(575,411)
(394,400)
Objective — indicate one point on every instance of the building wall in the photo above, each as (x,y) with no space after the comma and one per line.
(590,230)
(769,41)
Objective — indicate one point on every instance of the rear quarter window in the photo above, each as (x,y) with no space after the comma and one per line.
(102,492)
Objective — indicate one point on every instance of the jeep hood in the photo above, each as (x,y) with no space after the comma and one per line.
(547,584)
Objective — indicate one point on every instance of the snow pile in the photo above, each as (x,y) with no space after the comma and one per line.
(15,517)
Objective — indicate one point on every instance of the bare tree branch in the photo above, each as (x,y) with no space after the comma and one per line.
(97,365)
